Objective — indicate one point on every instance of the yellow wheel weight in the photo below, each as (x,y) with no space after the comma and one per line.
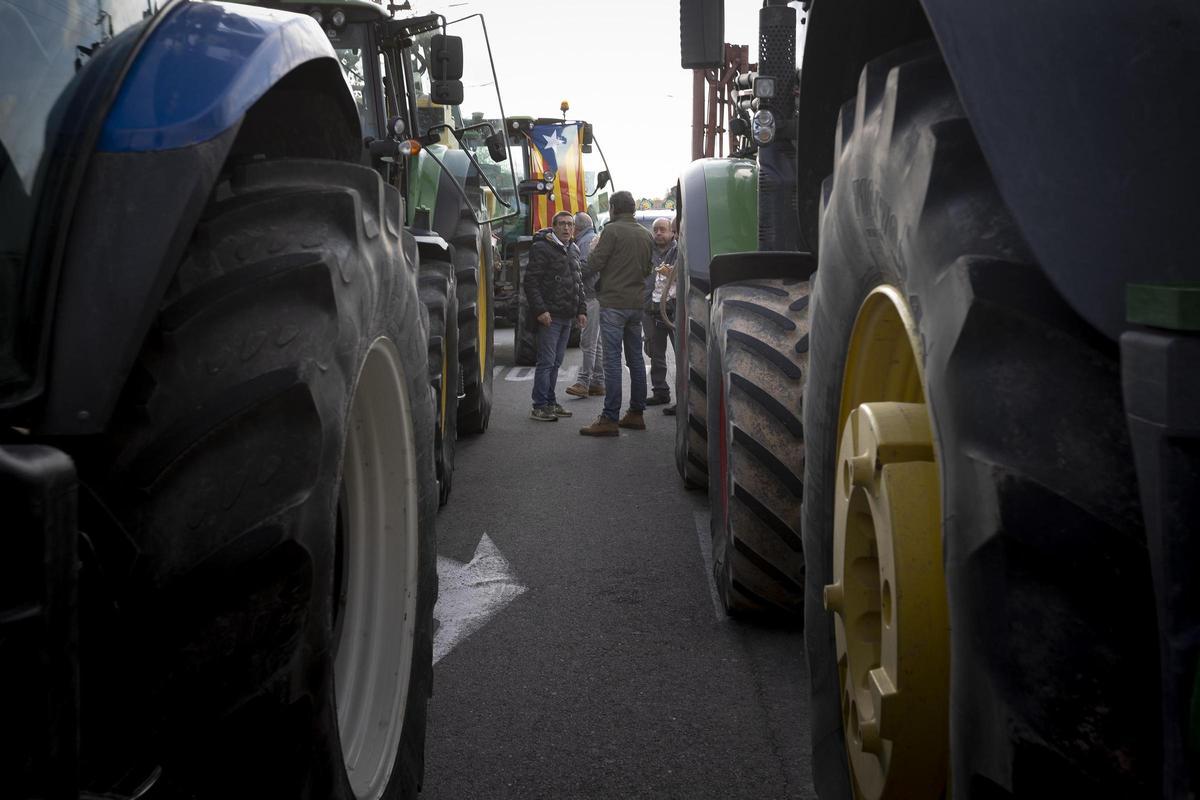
(888,596)
(445,388)
(481,310)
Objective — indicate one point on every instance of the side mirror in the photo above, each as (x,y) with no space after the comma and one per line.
(602,179)
(497,149)
(532,186)
(445,58)
(446,92)
(701,34)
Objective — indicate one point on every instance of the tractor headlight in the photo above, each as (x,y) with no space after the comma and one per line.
(762,126)
(317,15)
(338,18)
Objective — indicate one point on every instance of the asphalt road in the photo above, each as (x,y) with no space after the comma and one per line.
(606,669)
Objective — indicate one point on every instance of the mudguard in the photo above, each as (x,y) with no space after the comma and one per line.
(205,65)
(191,89)
(759,265)
(1082,109)
(434,201)
(718,211)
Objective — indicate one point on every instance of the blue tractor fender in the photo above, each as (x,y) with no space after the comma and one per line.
(203,69)
(1081,108)
(211,80)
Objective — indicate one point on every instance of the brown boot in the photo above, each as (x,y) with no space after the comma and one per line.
(596,390)
(603,426)
(633,420)
(577,389)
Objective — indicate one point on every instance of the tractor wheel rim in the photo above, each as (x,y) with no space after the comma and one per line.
(375,650)
(888,593)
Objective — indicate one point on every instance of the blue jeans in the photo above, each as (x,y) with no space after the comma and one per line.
(551,347)
(621,329)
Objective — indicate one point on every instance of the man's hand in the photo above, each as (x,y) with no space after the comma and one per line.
(582,319)
(544,318)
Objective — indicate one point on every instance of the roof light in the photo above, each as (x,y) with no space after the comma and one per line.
(764,86)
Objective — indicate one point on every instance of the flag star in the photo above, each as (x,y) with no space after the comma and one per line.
(555,139)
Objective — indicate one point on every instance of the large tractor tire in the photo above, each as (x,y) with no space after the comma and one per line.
(978,600)
(476,319)
(440,297)
(524,334)
(271,641)
(691,382)
(757,354)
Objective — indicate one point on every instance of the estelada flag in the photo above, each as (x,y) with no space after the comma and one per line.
(557,148)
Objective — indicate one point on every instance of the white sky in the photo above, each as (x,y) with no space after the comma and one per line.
(616,62)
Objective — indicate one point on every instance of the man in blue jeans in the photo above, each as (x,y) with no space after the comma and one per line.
(621,257)
(554,289)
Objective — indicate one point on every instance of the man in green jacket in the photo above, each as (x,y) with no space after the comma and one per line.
(621,257)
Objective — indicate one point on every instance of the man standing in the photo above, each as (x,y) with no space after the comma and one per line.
(656,331)
(554,290)
(591,374)
(622,260)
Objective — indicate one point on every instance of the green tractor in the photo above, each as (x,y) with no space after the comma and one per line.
(741,348)
(407,78)
(557,173)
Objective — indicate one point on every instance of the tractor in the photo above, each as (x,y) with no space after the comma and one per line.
(556,174)
(419,139)
(216,399)
(997,417)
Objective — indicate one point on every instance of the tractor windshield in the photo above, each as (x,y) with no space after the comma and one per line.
(48,51)
(350,43)
(480,114)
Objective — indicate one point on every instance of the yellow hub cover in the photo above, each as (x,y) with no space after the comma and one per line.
(889,603)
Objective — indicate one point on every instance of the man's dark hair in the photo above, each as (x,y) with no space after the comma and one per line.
(562,214)
(621,203)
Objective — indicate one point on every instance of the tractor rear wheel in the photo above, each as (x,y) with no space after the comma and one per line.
(691,383)
(277,422)
(440,297)
(476,319)
(758,351)
(978,599)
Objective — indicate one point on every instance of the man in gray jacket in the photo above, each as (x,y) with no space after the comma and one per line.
(591,373)
(621,258)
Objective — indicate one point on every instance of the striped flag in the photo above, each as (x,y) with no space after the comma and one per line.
(557,148)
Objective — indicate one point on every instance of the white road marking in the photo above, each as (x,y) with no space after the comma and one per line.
(520,374)
(471,594)
(705,536)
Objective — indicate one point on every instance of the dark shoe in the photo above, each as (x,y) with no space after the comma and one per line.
(633,420)
(577,390)
(669,410)
(659,399)
(543,414)
(559,411)
(596,390)
(603,426)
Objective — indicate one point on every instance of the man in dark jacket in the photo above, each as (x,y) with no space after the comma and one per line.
(621,257)
(554,289)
